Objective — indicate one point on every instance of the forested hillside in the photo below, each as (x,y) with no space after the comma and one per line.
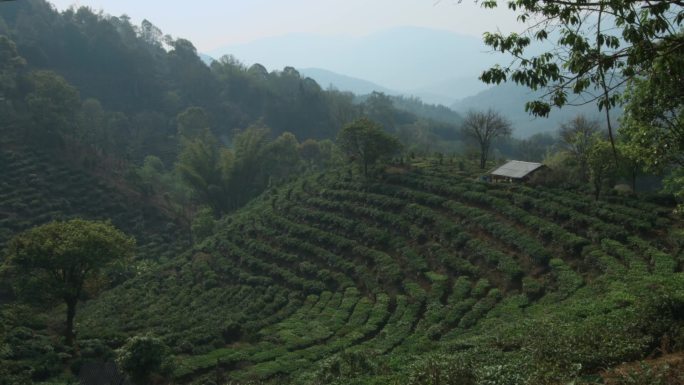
(133,81)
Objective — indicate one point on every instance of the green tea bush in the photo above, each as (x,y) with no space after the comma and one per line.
(441,370)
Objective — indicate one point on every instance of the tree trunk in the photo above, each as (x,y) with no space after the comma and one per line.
(71,312)
(597,188)
(484,150)
(584,175)
(634,177)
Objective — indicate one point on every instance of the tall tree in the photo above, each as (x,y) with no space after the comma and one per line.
(601,165)
(631,162)
(190,75)
(310,151)
(654,113)
(577,136)
(249,146)
(206,166)
(10,64)
(365,142)
(53,104)
(653,124)
(484,127)
(92,123)
(192,122)
(281,158)
(380,108)
(54,261)
(150,33)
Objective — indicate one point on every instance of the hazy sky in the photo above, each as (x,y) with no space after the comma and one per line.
(210,24)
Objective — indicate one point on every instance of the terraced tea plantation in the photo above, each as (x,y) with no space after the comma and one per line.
(414,276)
(36,188)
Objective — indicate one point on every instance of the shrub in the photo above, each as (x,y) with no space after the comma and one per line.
(443,370)
(144,357)
(532,288)
(481,288)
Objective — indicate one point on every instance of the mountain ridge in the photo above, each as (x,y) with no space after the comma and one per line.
(326,78)
(407,59)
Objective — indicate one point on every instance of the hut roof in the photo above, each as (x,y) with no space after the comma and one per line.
(516,169)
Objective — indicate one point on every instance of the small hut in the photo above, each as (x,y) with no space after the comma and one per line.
(515,171)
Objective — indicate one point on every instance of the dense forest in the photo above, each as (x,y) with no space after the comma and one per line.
(168,221)
(128,85)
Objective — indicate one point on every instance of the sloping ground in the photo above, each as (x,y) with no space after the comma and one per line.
(419,276)
(665,370)
(36,188)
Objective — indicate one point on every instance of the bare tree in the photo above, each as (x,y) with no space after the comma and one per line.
(484,127)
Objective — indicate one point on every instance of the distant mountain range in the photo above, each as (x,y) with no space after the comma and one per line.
(437,93)
(509,99)
(449,91)
(437,66)
(341,82)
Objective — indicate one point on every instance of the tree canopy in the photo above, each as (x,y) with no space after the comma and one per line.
(654,113)
(597,46)
(205,166)
(53,104)
(577,137)
(54,260)
(601,165)
(364,141)
(10,64)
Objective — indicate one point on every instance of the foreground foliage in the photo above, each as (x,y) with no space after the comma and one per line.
(607,44)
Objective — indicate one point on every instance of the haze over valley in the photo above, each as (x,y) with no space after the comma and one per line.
(438,66)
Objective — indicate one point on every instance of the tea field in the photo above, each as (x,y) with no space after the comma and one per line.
(38,187)
(418,275)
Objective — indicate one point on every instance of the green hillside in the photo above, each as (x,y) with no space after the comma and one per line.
(37,187)
(290,234)
(418,274)
(134,82)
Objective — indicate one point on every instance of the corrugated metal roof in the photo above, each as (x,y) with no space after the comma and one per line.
(516,169)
